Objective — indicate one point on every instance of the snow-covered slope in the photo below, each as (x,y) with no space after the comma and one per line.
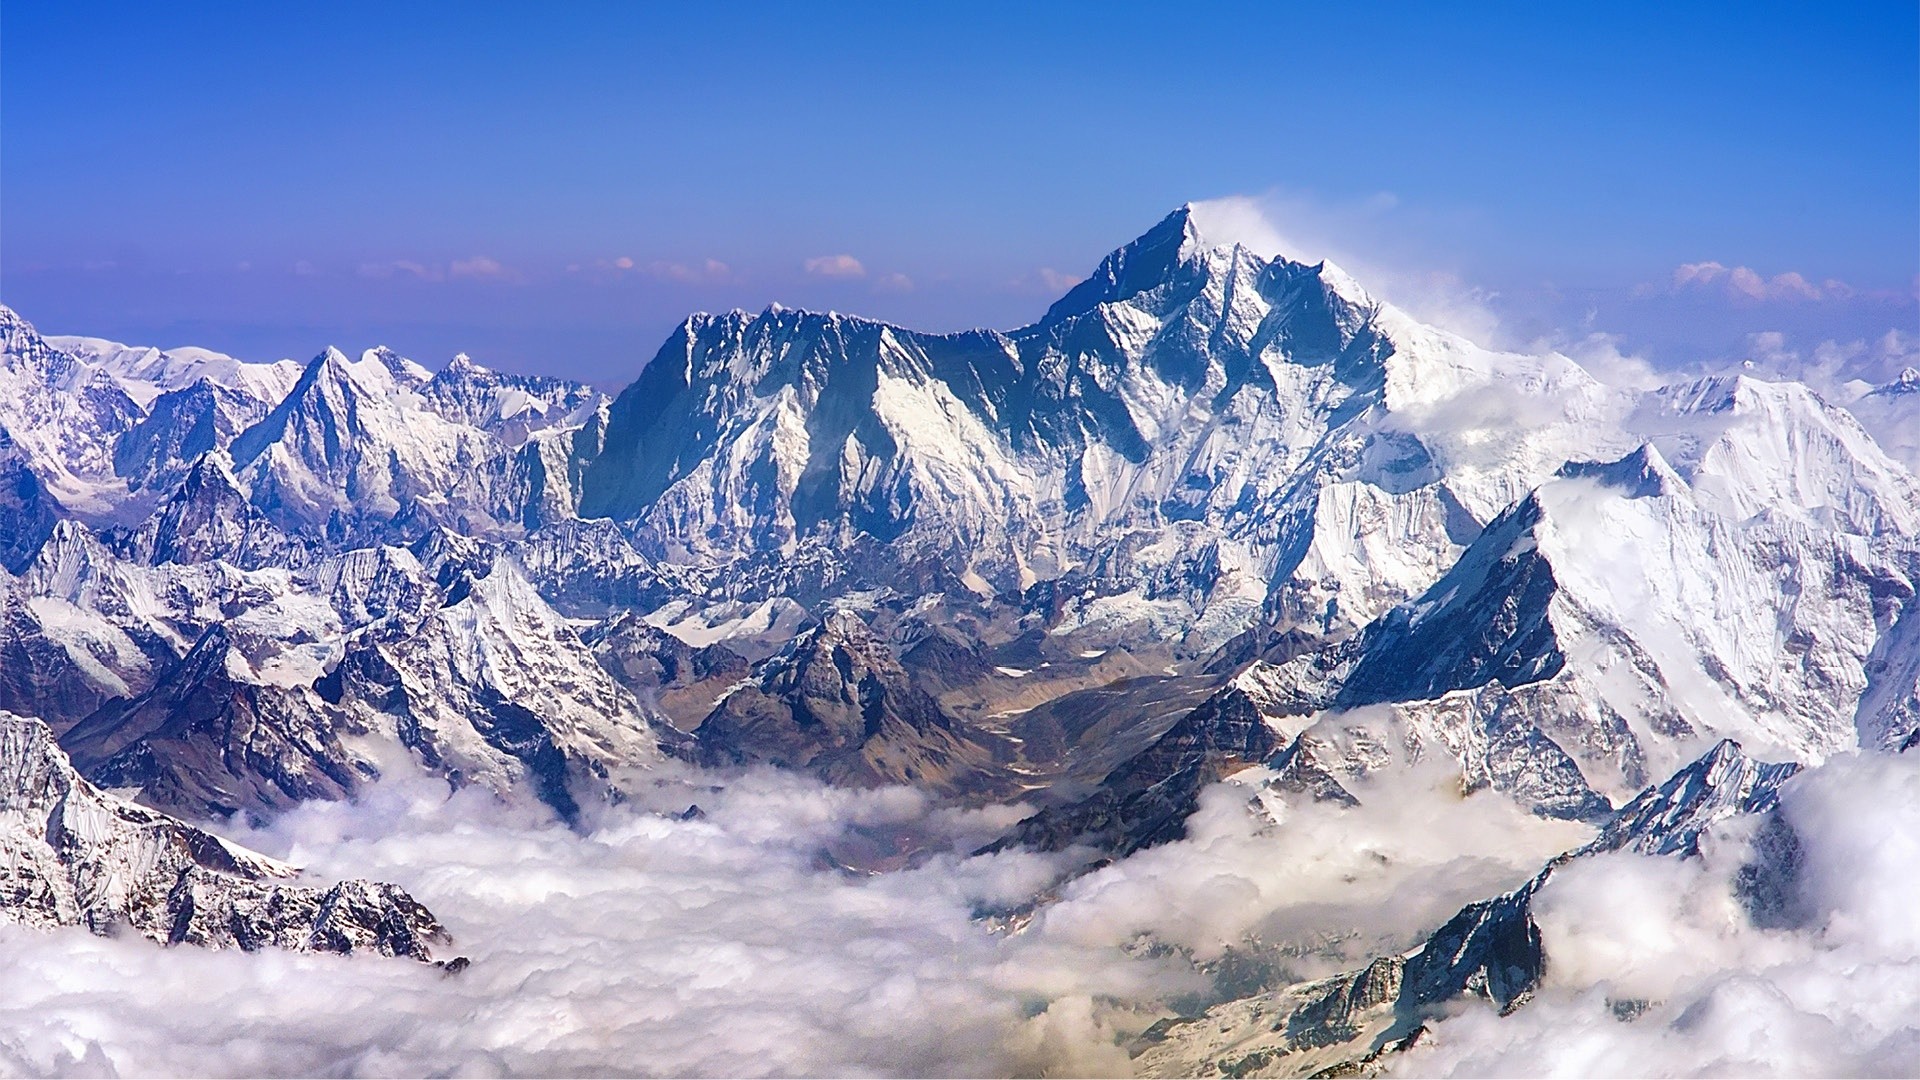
(73,855)
(213,687)
(62,416)
(1629,612)
(147,372)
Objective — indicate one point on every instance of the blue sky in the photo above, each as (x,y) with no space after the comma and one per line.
(551,187)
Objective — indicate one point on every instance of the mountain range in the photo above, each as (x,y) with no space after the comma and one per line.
(1219,513)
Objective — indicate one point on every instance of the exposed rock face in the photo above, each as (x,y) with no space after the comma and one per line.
(207,516)
(684,682)
(73,855)
(28,511)
(1147,800)
(838,704)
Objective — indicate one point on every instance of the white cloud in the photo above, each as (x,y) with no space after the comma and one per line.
(893,283)
(1332,887)
(711,271)
(835,266)
(732,944)
(1745,283)
(1058,282)
(1361,237)
(1831,996)
(726,945)
(400,268)
(624,262)
(481,268)
(1243,220)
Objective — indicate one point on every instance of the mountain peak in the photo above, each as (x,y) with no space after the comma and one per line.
(1642,473)
(1197,242)
(462,364)
(1907,382)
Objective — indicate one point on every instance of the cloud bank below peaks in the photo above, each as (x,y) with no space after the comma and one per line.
(1655,968)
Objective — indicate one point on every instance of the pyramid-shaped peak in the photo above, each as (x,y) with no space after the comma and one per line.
(1197,242)
(462,364)
(1643,473)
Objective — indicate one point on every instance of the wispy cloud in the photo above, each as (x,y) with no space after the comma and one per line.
(476,268)
(709,271)
(893,283)
(1745,283)
(481,268)
(1057,281)
(835,266)
(400,268)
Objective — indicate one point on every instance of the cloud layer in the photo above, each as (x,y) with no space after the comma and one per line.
(1654,968)
(835,266)
(745,941)
(739,943)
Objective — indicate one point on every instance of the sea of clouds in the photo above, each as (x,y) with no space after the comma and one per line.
(748,940)
(759,937)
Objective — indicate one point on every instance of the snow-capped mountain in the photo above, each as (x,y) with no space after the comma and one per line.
(213,688)
(1891,411)
(1601,630)
(73,855)
(1196,433)
(371,448)
(1219,515)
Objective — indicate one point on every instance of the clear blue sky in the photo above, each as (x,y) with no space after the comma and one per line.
(269,178)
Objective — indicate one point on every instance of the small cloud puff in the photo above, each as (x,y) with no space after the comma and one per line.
(481,268)
(400,268)
(708,272)
(1057,281)
(835,266)
(893,283)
